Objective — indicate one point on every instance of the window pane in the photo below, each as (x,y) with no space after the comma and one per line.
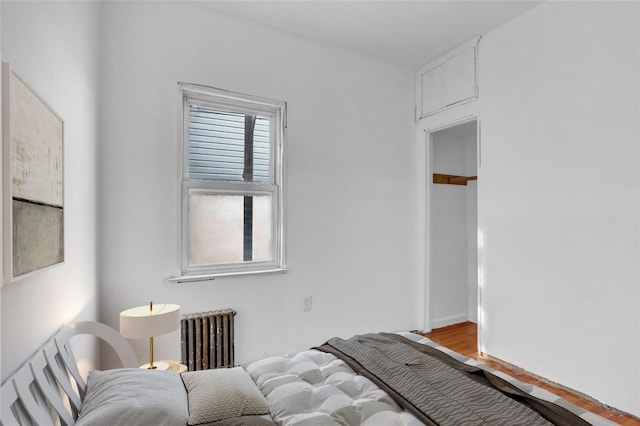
(217,146)
(221,231)
(261,150)
(262,242)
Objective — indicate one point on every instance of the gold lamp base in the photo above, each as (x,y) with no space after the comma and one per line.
(151,366)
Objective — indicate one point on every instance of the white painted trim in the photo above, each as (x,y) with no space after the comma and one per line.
(421,247)
(277,110)
(213,276)
(480,240)
(450,54)
(470,45)
(427,225)
(426,127)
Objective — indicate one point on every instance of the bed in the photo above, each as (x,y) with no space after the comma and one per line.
(373,379)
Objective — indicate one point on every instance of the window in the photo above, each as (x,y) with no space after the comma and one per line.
(232,176)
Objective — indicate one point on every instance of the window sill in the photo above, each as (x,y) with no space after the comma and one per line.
(213,276)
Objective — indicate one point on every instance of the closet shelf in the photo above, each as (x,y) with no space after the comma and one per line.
(452,179)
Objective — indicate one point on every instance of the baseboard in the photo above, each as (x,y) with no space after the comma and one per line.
(519,370)
(450,320)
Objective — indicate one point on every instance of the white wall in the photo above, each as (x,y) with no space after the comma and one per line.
(453,267)
(53,46)
(350,211)
(559,196)
(1,209)
(449,233)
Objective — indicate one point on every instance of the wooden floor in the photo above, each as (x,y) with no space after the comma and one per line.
(462,338)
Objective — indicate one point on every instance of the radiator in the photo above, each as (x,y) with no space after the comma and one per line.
(207,339)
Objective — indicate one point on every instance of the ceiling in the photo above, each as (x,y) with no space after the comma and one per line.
(408,33)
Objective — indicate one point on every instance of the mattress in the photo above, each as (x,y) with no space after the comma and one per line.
(317,388)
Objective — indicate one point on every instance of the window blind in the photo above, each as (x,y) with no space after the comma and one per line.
(216,145)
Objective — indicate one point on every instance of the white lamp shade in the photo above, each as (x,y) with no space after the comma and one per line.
(140,322)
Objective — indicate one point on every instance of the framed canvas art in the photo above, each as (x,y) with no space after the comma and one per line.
(33,174)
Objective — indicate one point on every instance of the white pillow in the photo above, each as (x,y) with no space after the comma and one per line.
(134,396)
(221,394)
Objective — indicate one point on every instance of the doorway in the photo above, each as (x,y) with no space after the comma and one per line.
(452,225)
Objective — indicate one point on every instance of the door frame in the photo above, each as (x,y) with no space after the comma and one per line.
(427,215)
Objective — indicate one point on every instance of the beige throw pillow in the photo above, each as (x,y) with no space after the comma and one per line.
(221,394)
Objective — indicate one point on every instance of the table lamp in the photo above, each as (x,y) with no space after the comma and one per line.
(149,321)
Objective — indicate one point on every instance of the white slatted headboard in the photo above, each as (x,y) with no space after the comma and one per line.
(48,389)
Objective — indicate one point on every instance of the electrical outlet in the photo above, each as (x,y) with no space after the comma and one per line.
(307,304)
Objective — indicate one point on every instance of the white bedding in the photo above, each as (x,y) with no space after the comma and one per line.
(316,388)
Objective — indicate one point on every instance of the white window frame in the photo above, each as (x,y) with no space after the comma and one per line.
(276,110)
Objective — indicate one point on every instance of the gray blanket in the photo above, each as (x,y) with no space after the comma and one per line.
(440,390)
